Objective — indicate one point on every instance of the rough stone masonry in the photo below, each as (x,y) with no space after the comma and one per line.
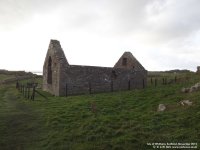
(62,79)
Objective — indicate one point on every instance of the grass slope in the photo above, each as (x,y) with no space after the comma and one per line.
(119,120)
(3,76)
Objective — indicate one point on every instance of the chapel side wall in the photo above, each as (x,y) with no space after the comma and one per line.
(81,78)
(140,80)
(132,80)
(87,79)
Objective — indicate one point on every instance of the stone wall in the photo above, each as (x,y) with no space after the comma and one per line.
(54,68)
(128,61)
(91,79)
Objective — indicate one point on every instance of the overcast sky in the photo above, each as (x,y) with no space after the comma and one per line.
(161,34)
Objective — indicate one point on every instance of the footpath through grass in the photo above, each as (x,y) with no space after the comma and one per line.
(20,124)
(118,120)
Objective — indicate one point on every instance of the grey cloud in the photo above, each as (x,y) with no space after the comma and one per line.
(174,19)
(179,19)
(114,16)
(171,60)
(169,26)
(17,12)
(128,15)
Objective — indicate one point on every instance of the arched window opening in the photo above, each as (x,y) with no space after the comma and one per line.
(124,62)
(49,75)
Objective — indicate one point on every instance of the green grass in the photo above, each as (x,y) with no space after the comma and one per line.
(121,120)
(4,76)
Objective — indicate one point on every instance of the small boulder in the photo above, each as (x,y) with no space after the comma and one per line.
(186,103)
(192,89)
(161,107)
(197,86)
(185,90)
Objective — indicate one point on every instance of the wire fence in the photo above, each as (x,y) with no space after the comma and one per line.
(28,90)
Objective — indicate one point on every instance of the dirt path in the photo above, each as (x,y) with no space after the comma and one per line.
(19,122)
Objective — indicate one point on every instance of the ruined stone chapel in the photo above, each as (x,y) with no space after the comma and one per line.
(62,79)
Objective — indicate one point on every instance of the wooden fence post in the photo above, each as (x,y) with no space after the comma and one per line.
(90,90)
(151,81)
(129,84)
(155,82)
(20,88)
(25,94)
(33,95)
(17,85)
(143,83)
(28,94)
(66,94)
(23,90)
(111,85)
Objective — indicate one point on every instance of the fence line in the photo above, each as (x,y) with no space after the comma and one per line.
(91,88)
(29,90)
(166,81)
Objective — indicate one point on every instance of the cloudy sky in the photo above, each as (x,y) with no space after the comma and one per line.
(161,34)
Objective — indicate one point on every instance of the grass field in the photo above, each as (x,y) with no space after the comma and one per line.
(119,120)
(3,76)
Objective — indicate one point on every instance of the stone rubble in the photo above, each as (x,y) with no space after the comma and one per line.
(186,103)
(193,88)
(161,107)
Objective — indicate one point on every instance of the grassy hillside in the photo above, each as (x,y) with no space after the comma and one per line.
(118,120)
(4,76)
